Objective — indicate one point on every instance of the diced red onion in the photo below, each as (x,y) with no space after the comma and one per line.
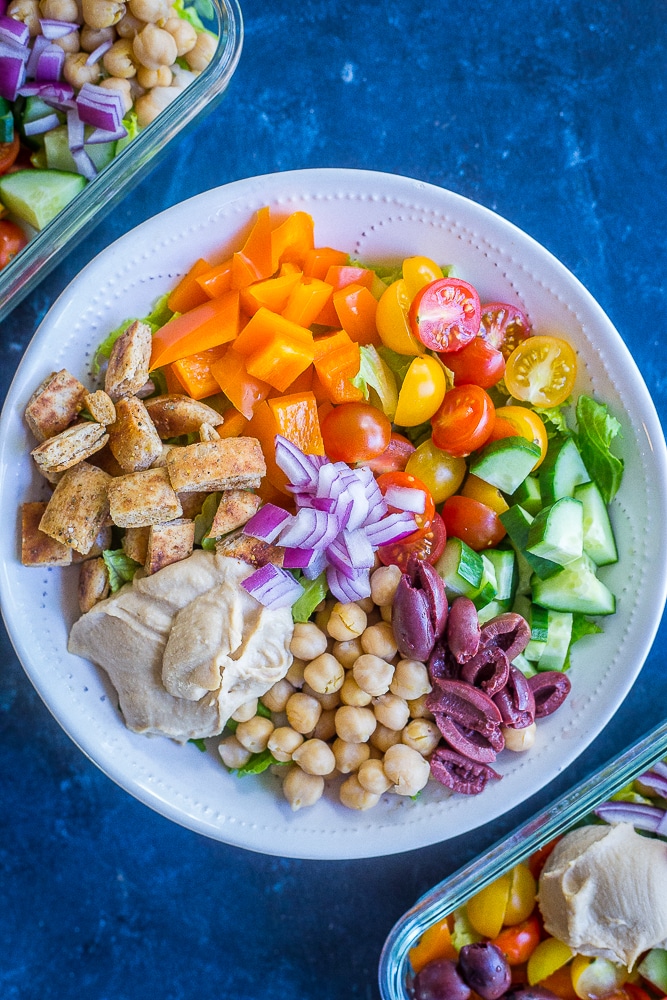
(38,46)
(660,767)
(15,31)
(327,504)
(267,523)
(100,107)
(328,482)
(273,587)
(342,508)
(300,469)
(297,558)
(75,130)
(97,53)
(311,529)
(103,135)
(52,29)
(12,75)
(41,125)
(390,529)
(406,498)
(359,512)
(347,590)
(658,782)
(53,93)
(84,164)
(642,817)
(317,565)
(50,63)
(338,556)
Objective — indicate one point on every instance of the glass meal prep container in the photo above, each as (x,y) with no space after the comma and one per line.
(396,974)
(46,248)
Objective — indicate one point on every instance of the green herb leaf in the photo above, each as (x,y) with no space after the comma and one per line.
(375,373)
(597,428)
(554,420)
(120,567)
(263,710)
(258,762)
(204,520)
(314,592)
(200,744)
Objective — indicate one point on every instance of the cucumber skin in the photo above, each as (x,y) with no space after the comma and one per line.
(576,588)
(562,470)
(506,463)
(26,193)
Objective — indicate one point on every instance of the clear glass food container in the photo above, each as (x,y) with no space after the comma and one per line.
(395,971)
(46,248)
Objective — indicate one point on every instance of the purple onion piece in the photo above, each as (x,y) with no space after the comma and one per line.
(655,781)
(643,817)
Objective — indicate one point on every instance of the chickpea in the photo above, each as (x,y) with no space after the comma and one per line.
(254,734)
(295,673)
(372,777)
(149,105)
(315,757)
(154,47)
(76,72)
(149,10)
(386,613)
(303,712)
(184,34)
(60,10)
(373,674)
(327,701)
(379,640)
(326,725)
(352,694)
(308,641)
(26,11)
(355,724)
(91,38)
(246,711)
(410,680)
(283,741)
(323,613)
(149,78)
(119,60)
(406,768)
(347,651)
(302,789)
(347,621)
(366,604)
(232,753)
(349,756)
(69,43)
(278,695)
(354,795)
(384,582)
(422,735)
(391,711)
(383,738)
(519,739)
(129,26)
(418,709)
(102,13)
(202,52)
(324,674)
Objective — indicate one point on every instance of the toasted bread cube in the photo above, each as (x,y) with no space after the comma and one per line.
(102,542)
(133,440)
(174,414)
(251,550)
(161,461)
(54,404)
(79,507)
(236,507)
(71,446)
(93,583)
(207,432)
(231,463)
(104,459)
(143,498)
(100,406)
(169,543)
(135,543)
(192,503)
(127,371)
(38,549)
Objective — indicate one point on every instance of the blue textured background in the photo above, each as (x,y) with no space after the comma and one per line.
(551,113)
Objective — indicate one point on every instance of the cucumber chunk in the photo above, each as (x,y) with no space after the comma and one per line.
(559,634)
(488,587)
(506,463)
(36,196)
(528,495)
(59,156)
(517,522)
(562,470)
(504,562)
(574,588)
(492,610)
(599,541)
(653,967)
(461,569)
(557,532)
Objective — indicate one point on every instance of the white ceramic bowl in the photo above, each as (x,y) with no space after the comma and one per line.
(375,217)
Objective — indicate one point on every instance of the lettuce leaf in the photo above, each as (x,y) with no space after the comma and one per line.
(314,592)
(120,567)
(258,762)
(204,520)
(374,373)
(157,317)
(597,428)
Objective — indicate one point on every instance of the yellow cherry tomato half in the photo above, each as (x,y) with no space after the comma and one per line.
(419,272)
(528,424)
(521,902)
(486,909)
(440,472)
(594,978)
(476,489)
(422,392)
(547,958)
(541,370)
(391,320)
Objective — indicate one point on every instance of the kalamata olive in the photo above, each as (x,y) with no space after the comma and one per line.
(485,969)
(439,980)
(531,993)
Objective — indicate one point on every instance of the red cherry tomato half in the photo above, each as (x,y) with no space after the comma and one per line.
(464,421)
(8,153)
(445,314)
(426,544)
(478,363)
(503,326)
(395,456)
(473,522)
(405,480)
(355,432)
(12,240)
(520,941)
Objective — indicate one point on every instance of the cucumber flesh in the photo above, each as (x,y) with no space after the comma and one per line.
(504,562)
(506,463)
(599,541)
(557,532)
(554,654)
(461,569)
(562,470)
(492,610)
(653,967)
(36,196)
(59,156)
(488,587)
(528,495)
(517,522)
(575,588)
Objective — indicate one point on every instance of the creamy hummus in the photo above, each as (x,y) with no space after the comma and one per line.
(187,646)
(603,891)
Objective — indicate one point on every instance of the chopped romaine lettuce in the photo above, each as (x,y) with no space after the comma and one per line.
(120,567)
(374,373)
(314,592)
(597,428)
(204,520)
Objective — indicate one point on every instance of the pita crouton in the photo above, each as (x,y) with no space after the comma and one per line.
(192,503)
(102,542)
(127,371)
(70,447)
(207,432)
(54,404)
(251,550)
(174,414)
(169,543)
(133,439)
(143,498)
(231,463)
(135,543)
(236,507)
(93,583)
(78,508)
(100,406)
(38,549)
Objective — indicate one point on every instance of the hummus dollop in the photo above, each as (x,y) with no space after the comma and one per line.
(603,891)
(186,646)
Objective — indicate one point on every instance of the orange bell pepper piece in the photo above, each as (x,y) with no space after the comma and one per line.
(264,326)
(216,280)
(435,942)
(280,361)
(340,276)
(263,426)
(317,261)
(292,239)
(302,383)
(273,293)
(194,372)
(188,293)
(336,362)
(234,425)
(356,307)
(254,260)
(242,390)
(213,323)
(306,301)
(297,419)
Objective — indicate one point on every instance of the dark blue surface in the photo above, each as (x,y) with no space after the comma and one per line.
(553,114)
